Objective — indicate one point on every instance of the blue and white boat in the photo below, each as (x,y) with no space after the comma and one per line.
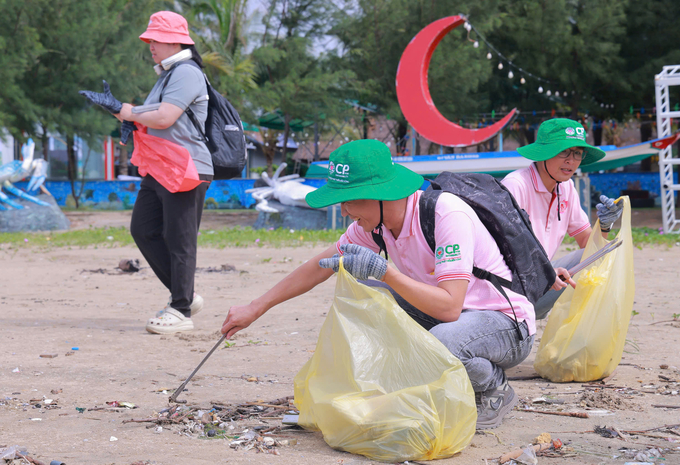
(501,163)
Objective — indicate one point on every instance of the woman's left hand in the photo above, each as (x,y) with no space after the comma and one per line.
(125,113)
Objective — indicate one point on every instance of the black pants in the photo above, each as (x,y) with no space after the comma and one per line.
(165,228)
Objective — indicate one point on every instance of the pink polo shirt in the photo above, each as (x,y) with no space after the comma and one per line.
(461,241)
(531,194)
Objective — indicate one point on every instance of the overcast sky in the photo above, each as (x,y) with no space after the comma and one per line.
(255,11)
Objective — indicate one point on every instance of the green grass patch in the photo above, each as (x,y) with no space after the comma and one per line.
(641,237)
(97,237)
(246,237)
(116,237)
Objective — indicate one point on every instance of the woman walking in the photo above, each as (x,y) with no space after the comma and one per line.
(167,212)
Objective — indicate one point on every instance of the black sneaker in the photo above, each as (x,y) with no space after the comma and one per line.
(493,405)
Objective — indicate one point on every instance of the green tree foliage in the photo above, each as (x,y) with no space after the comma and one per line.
(573,43)
(291,78)
(650,43)
(218,27)
(19,48)
(83,42)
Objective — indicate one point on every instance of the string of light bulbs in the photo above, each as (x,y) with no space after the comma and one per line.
(469,27)
(523,72)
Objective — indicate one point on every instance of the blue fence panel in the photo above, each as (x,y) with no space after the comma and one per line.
(230,194)
(611,184)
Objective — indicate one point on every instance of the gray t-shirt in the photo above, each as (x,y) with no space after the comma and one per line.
(186,84)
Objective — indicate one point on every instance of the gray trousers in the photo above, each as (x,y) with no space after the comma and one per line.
(546,303)
(486,342)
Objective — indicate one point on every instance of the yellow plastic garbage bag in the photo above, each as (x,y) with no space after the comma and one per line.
(380,385)
(586,330)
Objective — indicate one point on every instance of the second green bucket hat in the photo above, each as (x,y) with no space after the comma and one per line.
(556,135)
(363,169)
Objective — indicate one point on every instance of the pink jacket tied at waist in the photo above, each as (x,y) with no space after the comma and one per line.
(169,164)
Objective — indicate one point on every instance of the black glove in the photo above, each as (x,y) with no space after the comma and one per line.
(125,130)
(105,99)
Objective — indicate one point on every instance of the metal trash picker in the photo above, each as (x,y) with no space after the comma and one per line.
(594,257)
(178,391)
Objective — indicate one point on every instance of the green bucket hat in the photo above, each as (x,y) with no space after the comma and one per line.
(364,169)
(556,135)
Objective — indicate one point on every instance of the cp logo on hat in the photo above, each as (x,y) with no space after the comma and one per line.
(341,170)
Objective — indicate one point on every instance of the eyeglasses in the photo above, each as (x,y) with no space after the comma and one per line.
(577,153)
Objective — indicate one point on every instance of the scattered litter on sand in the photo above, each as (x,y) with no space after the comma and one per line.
(529,454)
(125,266)
(647,455)
(606,399)
(543,438)
(219,269)
(219,422)
(198,337)
(606,432)
(129,265)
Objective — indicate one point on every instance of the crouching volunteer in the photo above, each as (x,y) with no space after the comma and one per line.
(467,314)
(176,164)
(547,193)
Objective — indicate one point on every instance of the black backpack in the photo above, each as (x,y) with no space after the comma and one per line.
(509,225)
(223,131)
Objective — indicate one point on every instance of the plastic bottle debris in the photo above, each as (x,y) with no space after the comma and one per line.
(286,442)
(648,455)
(120,403)
(528,457)
(249,435)
(10,453)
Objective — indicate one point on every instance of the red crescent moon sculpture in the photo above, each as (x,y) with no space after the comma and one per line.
(414,94)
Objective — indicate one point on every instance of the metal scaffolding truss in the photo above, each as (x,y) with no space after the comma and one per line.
(670,76)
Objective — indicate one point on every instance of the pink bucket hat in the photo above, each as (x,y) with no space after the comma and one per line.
(168,28)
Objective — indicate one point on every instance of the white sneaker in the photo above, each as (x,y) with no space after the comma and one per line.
(171,321)
(195,307)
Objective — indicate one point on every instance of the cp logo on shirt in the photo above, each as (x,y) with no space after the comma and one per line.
(564,204)
(452,249)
